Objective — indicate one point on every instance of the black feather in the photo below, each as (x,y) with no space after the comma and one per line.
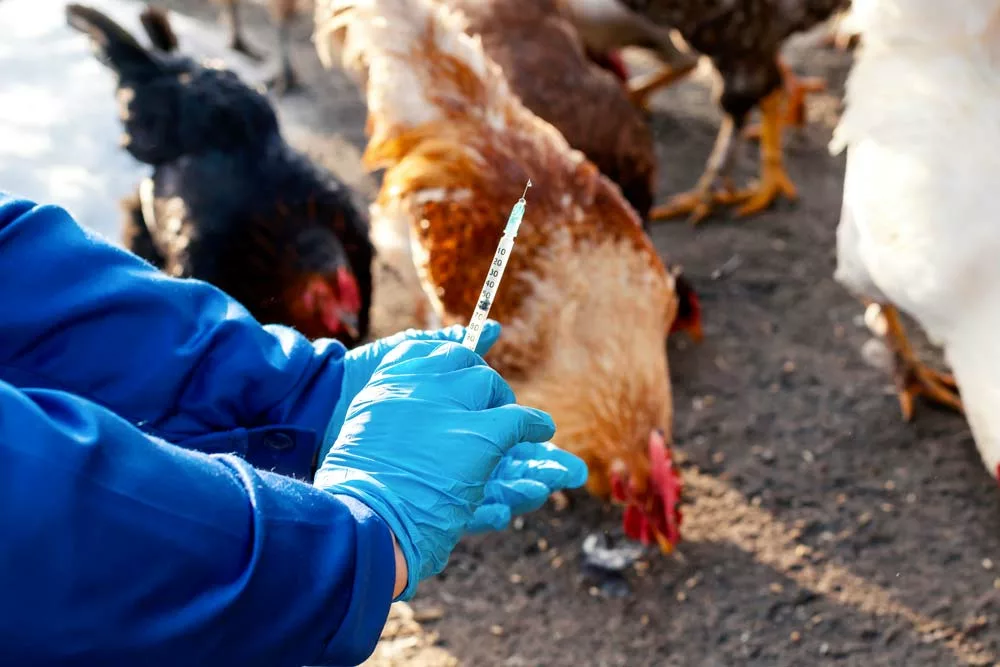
(157,26)
(113,45)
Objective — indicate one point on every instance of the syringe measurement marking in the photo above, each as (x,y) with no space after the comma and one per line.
(488,293)
(492,283)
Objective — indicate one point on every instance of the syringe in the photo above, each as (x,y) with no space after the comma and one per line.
(482,311)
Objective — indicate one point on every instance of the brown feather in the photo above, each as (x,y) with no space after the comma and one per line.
(546,65)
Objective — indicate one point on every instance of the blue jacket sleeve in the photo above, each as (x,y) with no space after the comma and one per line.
(119,549)
(178,358)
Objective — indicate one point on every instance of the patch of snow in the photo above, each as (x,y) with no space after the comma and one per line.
(59,128)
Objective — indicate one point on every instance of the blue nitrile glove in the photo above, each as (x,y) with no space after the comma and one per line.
(520,485)
(524,480)
(361,362)
(419,443)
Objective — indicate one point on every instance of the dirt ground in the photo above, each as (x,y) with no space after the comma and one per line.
(820,528)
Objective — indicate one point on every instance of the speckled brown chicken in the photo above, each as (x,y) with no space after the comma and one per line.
(743,39)
(585,303)
(607,27)
(544,62)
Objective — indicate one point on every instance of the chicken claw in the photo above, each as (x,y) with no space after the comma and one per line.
(774,180)
(912,377)
(774,183)
(696,204)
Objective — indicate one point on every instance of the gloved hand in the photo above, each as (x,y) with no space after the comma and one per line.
(523,481)
(361,362)
(419,443)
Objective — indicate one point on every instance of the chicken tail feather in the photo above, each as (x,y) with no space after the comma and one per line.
(421,73)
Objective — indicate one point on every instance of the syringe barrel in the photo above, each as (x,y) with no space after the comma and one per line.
(486,297)
(475,329)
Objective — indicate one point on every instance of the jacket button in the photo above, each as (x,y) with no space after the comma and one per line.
(279,441)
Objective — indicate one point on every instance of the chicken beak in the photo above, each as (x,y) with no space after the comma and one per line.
(696,333)
(665,545)
(350,323)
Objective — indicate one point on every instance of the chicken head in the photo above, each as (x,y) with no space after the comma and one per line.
(651,513)
(327,305)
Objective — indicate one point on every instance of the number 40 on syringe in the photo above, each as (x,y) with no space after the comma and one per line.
(482,311)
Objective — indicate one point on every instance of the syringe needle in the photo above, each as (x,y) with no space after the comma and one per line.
(526,189)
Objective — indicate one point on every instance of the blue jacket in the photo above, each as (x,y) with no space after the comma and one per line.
(117,548)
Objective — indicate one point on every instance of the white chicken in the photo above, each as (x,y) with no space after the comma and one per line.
(918,229)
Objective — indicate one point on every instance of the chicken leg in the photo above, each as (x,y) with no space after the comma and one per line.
(912,377)
(641,88)
(698,202)
(796,89)
(286,80)
(774,180)
(236,40)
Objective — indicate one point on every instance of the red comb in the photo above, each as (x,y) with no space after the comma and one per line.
(666,486)
(348,291)
(653,516)
(617,65)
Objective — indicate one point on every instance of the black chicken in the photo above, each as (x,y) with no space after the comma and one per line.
(229,202)
(743,38)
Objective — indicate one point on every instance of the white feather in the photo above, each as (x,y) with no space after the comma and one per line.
(919,228)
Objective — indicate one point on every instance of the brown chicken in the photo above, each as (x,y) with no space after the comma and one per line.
(585,302)
(743,39)
(607,27)
(282,13)
(545,64)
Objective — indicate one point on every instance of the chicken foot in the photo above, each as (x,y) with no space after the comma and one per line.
(796,89)
(698,202)
(237,42)
(774,180)
(286,80)
(912,377)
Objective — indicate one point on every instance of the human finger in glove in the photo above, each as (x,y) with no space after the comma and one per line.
(420,443)
(523,481)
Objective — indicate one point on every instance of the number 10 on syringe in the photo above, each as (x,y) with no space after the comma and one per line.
(492,284)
